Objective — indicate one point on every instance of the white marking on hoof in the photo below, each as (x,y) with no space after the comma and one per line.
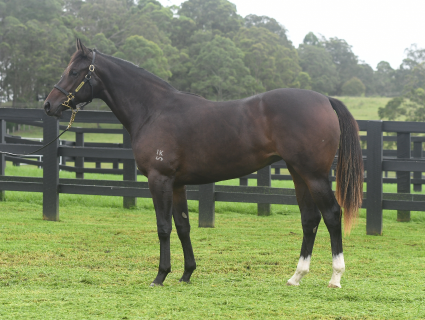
(302,269)
(153,284)
(184,215)
(338,265)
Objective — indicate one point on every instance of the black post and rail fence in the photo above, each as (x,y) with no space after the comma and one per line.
(406,161)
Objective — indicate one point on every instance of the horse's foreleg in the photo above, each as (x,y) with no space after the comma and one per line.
(161,188)
(181,220)
(310,218)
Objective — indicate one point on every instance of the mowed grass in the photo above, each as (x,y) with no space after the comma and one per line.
(98,262)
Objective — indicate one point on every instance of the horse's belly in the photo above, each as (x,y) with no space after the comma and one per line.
(219,171)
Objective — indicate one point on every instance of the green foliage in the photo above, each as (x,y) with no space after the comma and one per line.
(353,87)
(317,62)
(270,24)
(393,109)
(272,64)
(146,54)
(103,44)
(343,58)
(303,81)
(410,107)
(217,15)
(219,71)
(384,79)
(38,37)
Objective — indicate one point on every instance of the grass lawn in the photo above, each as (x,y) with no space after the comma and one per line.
(98,262)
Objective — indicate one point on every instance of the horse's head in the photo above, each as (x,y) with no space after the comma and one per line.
(71,89)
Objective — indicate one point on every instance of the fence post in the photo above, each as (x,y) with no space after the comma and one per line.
(2,156)
(79,161)
(417,153)
(264,179)
(50,169)
(243,181)
(207,205)
(374,178)
(130,171)
(403,177)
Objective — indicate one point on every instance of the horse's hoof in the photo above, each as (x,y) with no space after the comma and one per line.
(292,284)
(331,285)
(153,284)
(183,281)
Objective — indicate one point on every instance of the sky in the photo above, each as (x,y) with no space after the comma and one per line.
(377,30)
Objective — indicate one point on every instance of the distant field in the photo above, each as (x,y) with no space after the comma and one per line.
(364,108)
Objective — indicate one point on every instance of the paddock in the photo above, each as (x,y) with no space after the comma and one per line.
(98,259)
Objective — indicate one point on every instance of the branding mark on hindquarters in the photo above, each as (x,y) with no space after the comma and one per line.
(159,155)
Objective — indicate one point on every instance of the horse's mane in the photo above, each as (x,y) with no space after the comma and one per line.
(127,64)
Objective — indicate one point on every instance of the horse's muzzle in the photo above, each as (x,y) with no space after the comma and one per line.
(47,107)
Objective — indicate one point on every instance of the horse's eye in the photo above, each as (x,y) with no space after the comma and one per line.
(74,73)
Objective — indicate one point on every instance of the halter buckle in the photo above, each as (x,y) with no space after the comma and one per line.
(70,98)
(91,68)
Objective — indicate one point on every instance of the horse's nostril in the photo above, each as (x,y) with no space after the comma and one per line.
(47,106)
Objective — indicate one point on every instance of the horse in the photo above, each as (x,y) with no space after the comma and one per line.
(181,139)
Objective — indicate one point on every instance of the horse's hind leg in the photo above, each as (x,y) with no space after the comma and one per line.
(324,198)
(181,220)
(310,218)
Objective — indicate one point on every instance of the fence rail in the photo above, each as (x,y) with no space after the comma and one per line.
(377,160)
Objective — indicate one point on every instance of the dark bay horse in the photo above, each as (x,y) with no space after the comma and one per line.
(180,139)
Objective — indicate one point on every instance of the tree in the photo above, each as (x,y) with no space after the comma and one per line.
(384,79)
(146,54)
(270,24)
(219,71)
(272,65)
(30,58)
(311,40)
(344,59)
(411,103)
(103,44)
(212,15)
(410,106)
(364,73)
(303,81)
(317,62)
(353,87)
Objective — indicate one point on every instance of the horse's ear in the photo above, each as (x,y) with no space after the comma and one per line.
(81,47)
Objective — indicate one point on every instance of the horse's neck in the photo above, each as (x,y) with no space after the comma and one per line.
(132,95)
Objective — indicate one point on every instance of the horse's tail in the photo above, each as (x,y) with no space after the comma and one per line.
(349,173)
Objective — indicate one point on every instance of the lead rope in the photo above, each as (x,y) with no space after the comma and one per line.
(74,112)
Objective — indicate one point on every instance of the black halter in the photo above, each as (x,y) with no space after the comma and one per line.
(74,109)
(71,96)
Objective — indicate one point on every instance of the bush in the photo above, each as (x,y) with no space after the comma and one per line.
(353,87)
